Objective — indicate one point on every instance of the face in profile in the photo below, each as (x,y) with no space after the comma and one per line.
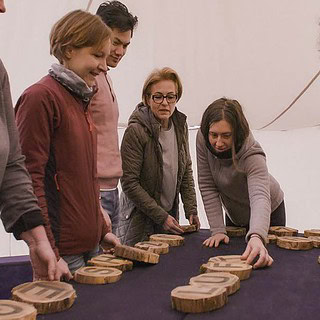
(162,100)
(220,136)
(119,45)
(2,7)
(87,62)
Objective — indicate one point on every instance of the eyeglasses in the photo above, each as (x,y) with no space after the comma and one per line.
(159,97)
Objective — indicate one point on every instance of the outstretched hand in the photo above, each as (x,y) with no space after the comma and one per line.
(215,240)
(172,225)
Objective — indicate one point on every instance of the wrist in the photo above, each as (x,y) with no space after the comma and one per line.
(255,235)
(34,235)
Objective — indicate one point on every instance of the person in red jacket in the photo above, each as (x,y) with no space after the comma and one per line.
(59,140)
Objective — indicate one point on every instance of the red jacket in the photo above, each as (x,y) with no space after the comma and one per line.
(59,141)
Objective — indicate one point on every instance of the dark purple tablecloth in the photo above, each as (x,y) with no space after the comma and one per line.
(290,289)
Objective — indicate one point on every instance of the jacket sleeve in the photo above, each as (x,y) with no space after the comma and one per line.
(187,191)
(132,154)
(16,194)
(209,192)
(258,179)
(35,117)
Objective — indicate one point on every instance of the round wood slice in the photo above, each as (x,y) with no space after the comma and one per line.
(194,299)
(283,231)
(228,259)
(14,310)
(241,270)
(236,231)
(171,239)
(272,238)
(294,243)
(46,296)
(312,232)
(315,241)
(319,259)
(189,228)
(136,254)
(111,261)
(153,246)
(217,279)
(97,275)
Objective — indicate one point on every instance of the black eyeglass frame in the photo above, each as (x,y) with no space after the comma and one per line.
(164,97)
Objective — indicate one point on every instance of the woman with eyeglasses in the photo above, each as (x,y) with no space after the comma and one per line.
(232,172)
(156,163)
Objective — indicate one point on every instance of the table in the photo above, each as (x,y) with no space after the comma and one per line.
(290,289)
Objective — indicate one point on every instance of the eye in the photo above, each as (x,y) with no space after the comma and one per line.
(226,136)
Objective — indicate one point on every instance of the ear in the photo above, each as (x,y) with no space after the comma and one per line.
(68,52)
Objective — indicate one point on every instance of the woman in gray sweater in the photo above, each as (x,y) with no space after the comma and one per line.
(233,174)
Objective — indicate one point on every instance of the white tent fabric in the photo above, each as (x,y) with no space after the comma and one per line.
(261,53)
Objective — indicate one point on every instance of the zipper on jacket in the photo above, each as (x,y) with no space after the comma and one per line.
(56,181)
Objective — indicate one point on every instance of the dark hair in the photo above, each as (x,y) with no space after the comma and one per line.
(116,15)
(158,75)
(77,29)
(230,111)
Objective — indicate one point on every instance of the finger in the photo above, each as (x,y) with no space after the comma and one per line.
(270,261)
(262,261)
(191,219)
(245,255)
(226,240)
(251,257)
(52,266)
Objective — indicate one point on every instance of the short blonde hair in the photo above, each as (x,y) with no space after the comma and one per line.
(158,75)
(78,29)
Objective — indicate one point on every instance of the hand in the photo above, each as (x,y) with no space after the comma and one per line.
(64,269)
(106,219)
(215,240)
(255,247)
(43,259)
(172,225)
(109,241)
(194,219)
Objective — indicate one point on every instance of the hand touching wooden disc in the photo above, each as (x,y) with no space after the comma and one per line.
(136,254)
(14,310)
(111,261)
(97,275)
(241,270)
(153,246)
(283,231)
(294,243)
(236,231)
(228,259)
(312,232)
(46,296)
(194,299)
(225,280)
(171,239)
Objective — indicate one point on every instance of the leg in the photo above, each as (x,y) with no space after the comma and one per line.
(110,202)
(278,216)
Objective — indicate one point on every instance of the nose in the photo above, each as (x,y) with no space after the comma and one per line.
(119,51)
(103,65)
(219,142)
(2,6)
(165,102)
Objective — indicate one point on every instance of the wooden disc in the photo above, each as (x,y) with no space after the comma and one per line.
(217,279)
(111,261)
(272,238)
(228,259)
(319,259)
(46,296)
(97,275)
(14,310)
(283,231)
(236,231)
(315,241)
(189,228)
(136,254)
(241,270)
(194,299)
(171,239)
(153,246)
(294,243)
(312,232)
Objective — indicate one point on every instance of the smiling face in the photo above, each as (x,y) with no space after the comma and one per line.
(87,62)
(162,111)
(220,136)
(119,45)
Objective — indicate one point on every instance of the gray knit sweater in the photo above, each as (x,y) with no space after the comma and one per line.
(16,193)
(248,197)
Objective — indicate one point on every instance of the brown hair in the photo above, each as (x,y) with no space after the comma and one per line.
(230,111)
(78,29)
(158,75)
